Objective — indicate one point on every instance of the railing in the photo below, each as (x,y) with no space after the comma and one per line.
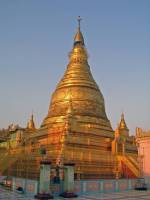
(134,162)
(132,167)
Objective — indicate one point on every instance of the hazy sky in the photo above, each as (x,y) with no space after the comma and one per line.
(36,37)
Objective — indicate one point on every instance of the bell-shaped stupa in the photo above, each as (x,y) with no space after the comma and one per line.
(78,85)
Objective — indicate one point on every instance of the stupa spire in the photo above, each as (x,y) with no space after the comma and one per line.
(31,124)
(78,39)
(122,124)
(79,21)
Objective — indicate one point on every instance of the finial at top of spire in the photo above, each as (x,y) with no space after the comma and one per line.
(79,37)
(122,115)
(79,21)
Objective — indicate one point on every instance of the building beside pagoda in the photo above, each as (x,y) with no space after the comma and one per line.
(76,130)
(143,143)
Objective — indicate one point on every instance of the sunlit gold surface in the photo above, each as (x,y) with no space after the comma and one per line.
(123,127)
(79,85)
(122,124)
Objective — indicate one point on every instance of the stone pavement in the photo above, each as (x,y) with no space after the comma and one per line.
(128,195)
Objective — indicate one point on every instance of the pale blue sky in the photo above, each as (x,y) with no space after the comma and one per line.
(36,37)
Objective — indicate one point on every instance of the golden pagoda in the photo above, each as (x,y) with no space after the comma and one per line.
(77,119)
(76,128)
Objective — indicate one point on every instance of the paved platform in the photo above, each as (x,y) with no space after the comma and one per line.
(128,195)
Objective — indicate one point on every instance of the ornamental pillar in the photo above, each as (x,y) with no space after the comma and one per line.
(44,189)
(68,181)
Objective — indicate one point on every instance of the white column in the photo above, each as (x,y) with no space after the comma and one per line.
(45,168)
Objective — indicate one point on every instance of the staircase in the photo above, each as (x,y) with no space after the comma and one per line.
(129,166)
(134,161)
